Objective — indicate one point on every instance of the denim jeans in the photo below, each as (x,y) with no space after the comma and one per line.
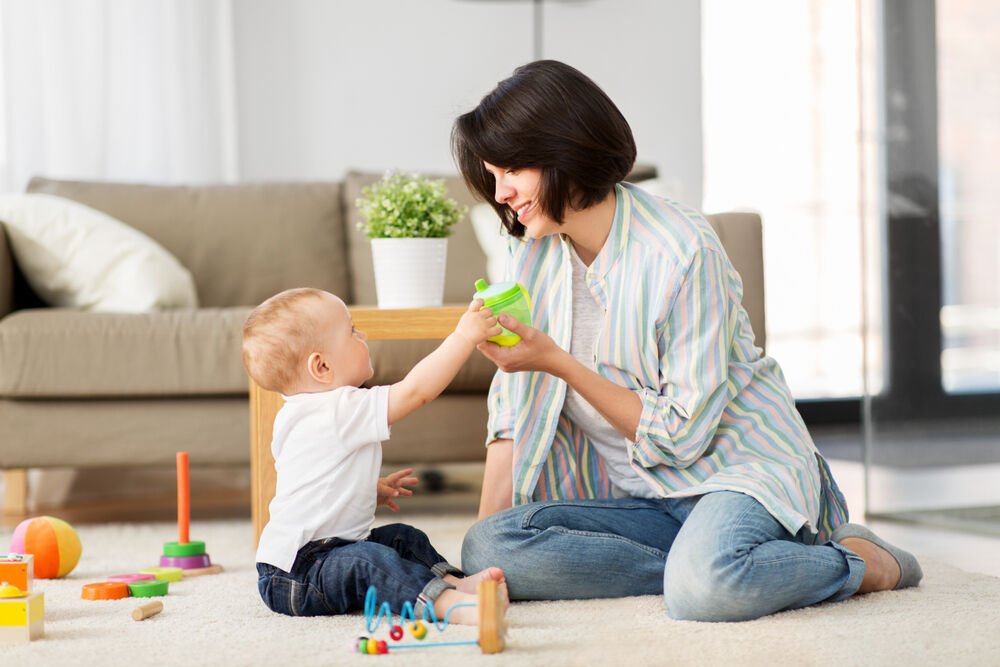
(716,557)
(332,576)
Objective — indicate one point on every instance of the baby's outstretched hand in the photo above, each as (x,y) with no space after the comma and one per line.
(477,323)
(393,486)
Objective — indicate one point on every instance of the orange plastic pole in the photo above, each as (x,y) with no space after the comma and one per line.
(183,499)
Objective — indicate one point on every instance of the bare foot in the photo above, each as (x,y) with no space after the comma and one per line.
(445,606)
(470,584)
(882,572)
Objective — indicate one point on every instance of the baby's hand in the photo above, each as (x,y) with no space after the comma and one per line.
(477,323)
(392,486)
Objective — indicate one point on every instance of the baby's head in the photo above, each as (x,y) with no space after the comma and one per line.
(303,340)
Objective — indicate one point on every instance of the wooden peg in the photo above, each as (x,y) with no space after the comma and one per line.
(147,610)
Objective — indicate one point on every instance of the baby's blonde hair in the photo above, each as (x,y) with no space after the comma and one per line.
(278,336)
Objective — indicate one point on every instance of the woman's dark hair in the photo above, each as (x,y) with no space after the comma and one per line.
(552,117)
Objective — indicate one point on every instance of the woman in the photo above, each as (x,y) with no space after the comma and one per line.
(636,428)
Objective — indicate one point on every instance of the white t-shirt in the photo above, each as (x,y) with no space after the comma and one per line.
(327,454)
(611,445)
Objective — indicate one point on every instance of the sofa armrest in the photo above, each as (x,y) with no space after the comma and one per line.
(6,275)
(743,239)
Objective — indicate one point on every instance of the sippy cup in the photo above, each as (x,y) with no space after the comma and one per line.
(506,297)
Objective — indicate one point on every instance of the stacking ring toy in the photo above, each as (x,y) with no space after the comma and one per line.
(105,590)
(148,589)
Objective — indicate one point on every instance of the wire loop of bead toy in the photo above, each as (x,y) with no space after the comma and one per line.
(374,613)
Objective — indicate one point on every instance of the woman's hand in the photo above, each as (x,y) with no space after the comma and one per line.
(534,352)
(392,486)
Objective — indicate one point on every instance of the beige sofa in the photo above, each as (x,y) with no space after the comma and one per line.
(84,389)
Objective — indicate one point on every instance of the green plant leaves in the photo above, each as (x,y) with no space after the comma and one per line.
(407,206)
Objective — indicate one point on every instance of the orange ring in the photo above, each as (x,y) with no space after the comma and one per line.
(105,590)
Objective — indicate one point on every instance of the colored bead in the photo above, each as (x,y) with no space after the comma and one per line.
(372,646)
(418,630)
(396,632)
(381,646)
(362,646)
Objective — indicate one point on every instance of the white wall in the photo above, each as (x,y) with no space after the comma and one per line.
(324,87)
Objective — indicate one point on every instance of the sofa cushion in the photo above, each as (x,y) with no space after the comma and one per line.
(78,257)
(243,243)
(59,353)
(466,261)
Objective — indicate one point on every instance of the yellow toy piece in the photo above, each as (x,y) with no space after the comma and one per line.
(168,573)
(22,618)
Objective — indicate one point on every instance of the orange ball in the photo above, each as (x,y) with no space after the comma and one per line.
(53,542)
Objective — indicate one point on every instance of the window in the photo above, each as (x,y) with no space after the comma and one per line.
(781,137)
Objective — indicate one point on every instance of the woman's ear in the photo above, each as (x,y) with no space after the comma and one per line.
(318,369)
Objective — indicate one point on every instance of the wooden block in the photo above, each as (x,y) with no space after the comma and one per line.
(15,634)
(22,619)
(18,570)
(492,625)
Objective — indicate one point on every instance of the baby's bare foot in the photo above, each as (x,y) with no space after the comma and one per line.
(446,607)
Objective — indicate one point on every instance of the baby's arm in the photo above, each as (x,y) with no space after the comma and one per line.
(433,373)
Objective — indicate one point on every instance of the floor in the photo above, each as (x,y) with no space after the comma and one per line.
(451,489)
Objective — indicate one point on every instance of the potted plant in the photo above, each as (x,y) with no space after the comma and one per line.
(408,218)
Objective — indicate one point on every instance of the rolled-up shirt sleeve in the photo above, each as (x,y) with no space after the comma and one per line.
(679,420)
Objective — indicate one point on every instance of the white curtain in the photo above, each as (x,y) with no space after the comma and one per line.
(131,90)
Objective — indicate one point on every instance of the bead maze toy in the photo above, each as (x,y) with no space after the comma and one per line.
(22,612)
(184,553)
(492,627)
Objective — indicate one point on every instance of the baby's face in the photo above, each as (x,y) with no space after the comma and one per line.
(343,345)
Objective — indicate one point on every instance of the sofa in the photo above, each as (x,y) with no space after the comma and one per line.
(80,388)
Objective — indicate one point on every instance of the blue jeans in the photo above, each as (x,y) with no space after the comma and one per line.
(332,576)
(716,557)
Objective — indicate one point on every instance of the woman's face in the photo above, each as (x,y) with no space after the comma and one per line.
(520,190)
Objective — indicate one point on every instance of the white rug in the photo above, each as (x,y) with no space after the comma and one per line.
(952,618)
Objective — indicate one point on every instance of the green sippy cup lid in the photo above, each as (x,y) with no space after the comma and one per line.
(497,293)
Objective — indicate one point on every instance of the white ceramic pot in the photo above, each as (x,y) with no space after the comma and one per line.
(409,273)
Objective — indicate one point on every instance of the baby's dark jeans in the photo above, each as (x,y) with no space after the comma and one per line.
(332,576)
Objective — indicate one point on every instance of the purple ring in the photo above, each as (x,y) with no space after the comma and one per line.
(185,562)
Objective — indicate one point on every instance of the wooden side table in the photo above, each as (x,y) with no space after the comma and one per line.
(405,324)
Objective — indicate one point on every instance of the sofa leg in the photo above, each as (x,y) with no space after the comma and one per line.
(15,492)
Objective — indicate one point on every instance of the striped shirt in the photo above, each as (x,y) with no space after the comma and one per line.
(716,413)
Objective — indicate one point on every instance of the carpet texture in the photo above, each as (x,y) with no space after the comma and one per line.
(952,618)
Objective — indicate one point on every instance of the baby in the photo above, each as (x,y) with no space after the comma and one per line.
(318,553)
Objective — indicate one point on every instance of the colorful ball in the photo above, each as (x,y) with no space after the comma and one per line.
(53,542)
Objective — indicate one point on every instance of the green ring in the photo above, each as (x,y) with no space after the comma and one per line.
(148,589)
(177,550)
